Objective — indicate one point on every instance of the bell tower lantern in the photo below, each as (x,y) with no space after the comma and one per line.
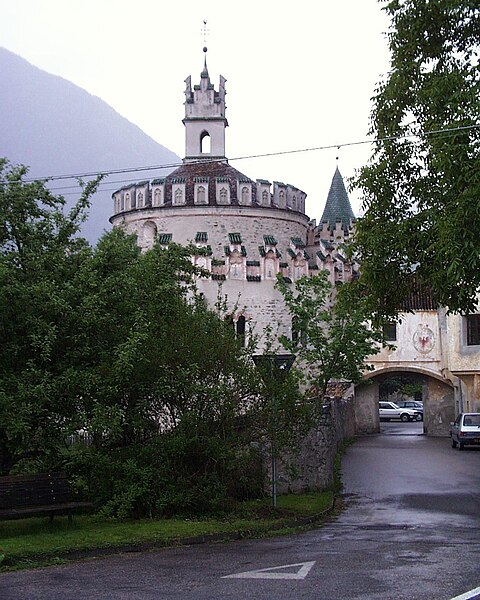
(204,120)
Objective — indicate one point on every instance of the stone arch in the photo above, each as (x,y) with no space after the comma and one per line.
(438,399)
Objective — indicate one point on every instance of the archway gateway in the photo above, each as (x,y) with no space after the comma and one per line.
(437,395)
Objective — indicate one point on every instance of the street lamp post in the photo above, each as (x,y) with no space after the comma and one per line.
(273,367)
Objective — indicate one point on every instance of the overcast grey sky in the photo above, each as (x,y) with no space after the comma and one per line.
(299,74)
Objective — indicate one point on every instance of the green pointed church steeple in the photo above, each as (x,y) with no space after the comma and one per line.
(338,208)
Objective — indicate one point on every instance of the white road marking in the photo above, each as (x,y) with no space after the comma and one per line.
(272,572)
(468,595)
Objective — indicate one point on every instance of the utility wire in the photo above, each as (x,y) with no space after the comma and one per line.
(445,132)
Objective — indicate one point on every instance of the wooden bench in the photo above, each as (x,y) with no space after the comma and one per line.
(36,495)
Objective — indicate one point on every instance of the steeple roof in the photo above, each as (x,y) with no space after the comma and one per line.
(338,207)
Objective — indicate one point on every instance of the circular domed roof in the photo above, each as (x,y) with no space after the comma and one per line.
(212,173)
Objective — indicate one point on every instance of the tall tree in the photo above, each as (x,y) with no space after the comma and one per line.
(39,255)
(421,189)
(331,331)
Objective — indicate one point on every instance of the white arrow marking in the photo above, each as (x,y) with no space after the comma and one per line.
(468,595)
(269,574)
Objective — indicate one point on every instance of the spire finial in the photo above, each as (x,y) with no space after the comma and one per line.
(205,32)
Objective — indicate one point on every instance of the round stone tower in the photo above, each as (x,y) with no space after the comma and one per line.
(251,229)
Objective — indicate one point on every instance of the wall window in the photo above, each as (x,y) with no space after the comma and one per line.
(205,143)
(240,329)
(127,201)
(178,196)
(157,197)
(223,195)
(201,195)
(265,197)
(390,332)
(245,195)
(140,200)
(473,330)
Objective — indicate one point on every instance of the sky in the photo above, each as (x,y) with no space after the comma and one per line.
(300,75)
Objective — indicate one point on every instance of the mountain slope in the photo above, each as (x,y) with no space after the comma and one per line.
(55,127)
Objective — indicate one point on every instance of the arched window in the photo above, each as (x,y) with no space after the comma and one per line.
(269,268)
(281,197)
(265,197)
(127,201)
(140,200)
(149,233)
(201,196)
(223,195)
(122,203)
(205,143)
(157,197)
(240,329)
(178,196)
(298,335)
(294,203)
(245,195)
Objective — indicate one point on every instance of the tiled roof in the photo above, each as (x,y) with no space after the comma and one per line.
(328,245)
(269,240)
(164,238)
(298,243)
(419,298)
(235,238)
(338,207)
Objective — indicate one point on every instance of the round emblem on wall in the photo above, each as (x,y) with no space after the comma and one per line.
(424,339)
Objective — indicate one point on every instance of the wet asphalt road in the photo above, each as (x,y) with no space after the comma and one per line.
(410,529)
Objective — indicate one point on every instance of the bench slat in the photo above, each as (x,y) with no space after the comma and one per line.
(28,495)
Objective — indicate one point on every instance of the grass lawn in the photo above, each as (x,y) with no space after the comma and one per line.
(37,541)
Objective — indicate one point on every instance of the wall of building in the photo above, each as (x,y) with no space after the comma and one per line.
(252,223)
(418,344)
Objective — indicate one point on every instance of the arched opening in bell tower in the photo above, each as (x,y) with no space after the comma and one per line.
(205,143)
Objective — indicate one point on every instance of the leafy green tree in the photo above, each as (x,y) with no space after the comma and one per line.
(333,336)
(421,189)
(39,254)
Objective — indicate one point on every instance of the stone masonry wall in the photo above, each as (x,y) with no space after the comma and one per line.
(311,465)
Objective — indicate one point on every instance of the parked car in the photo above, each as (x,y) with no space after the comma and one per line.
(465,430)
(414,405)
(390,410)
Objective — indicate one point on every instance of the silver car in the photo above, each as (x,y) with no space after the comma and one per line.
(390,410)
(465,430)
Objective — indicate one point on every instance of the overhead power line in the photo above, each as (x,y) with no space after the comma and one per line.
(443,132)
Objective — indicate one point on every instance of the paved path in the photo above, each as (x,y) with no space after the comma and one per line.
(410,529)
